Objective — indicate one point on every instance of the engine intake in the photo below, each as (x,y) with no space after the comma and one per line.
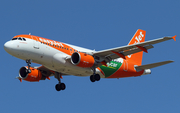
(82,59)
(34,76)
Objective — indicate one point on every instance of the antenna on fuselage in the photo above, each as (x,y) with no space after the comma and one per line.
(29,33)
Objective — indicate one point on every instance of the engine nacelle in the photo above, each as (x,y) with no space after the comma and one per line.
(34,76)
(82,59)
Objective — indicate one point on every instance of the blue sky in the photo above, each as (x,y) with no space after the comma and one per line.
(93,24)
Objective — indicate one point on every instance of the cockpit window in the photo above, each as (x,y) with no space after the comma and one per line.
(14,39)
(24,39)
(19,38)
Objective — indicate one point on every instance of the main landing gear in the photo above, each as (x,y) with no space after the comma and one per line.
(95,77)
(59,86)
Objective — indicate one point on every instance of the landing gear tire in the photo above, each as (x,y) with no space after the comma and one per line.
(95,77)
(28,61)
(63,86)
(60,86)
(28,71)
(92,78)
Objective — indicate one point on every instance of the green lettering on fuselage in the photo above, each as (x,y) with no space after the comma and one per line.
(111,68)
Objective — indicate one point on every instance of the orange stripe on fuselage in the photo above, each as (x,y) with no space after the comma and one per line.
(54,44)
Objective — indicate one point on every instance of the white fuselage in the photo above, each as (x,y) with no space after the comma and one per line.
(47,56)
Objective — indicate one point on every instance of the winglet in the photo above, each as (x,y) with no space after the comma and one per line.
(174,37)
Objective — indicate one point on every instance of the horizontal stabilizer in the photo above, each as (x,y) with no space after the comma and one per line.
(149,66)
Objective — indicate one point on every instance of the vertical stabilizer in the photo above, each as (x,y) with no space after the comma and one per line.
(138,37)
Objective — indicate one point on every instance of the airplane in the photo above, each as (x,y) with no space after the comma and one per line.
(61,59)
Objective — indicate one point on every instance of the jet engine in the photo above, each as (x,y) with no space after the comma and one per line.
(82,59)
(33,76)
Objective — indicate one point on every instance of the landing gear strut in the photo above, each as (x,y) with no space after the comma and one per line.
(29,65)
(59,86)
(95,77)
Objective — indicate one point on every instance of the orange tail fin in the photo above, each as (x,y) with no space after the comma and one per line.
(138,37)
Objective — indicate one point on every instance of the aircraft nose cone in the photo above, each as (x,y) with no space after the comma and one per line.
(7,46)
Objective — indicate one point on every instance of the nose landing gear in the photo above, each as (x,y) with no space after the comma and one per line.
(29,65)
(60,86)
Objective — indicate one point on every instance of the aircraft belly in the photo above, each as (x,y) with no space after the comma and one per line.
(60,64)
(72,70)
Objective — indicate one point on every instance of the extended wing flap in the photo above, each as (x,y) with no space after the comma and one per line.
(153,65)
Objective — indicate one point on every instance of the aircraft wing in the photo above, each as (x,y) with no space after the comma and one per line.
(130,49)
(46,72)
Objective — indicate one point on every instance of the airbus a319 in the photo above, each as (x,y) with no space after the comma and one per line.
(61,59)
